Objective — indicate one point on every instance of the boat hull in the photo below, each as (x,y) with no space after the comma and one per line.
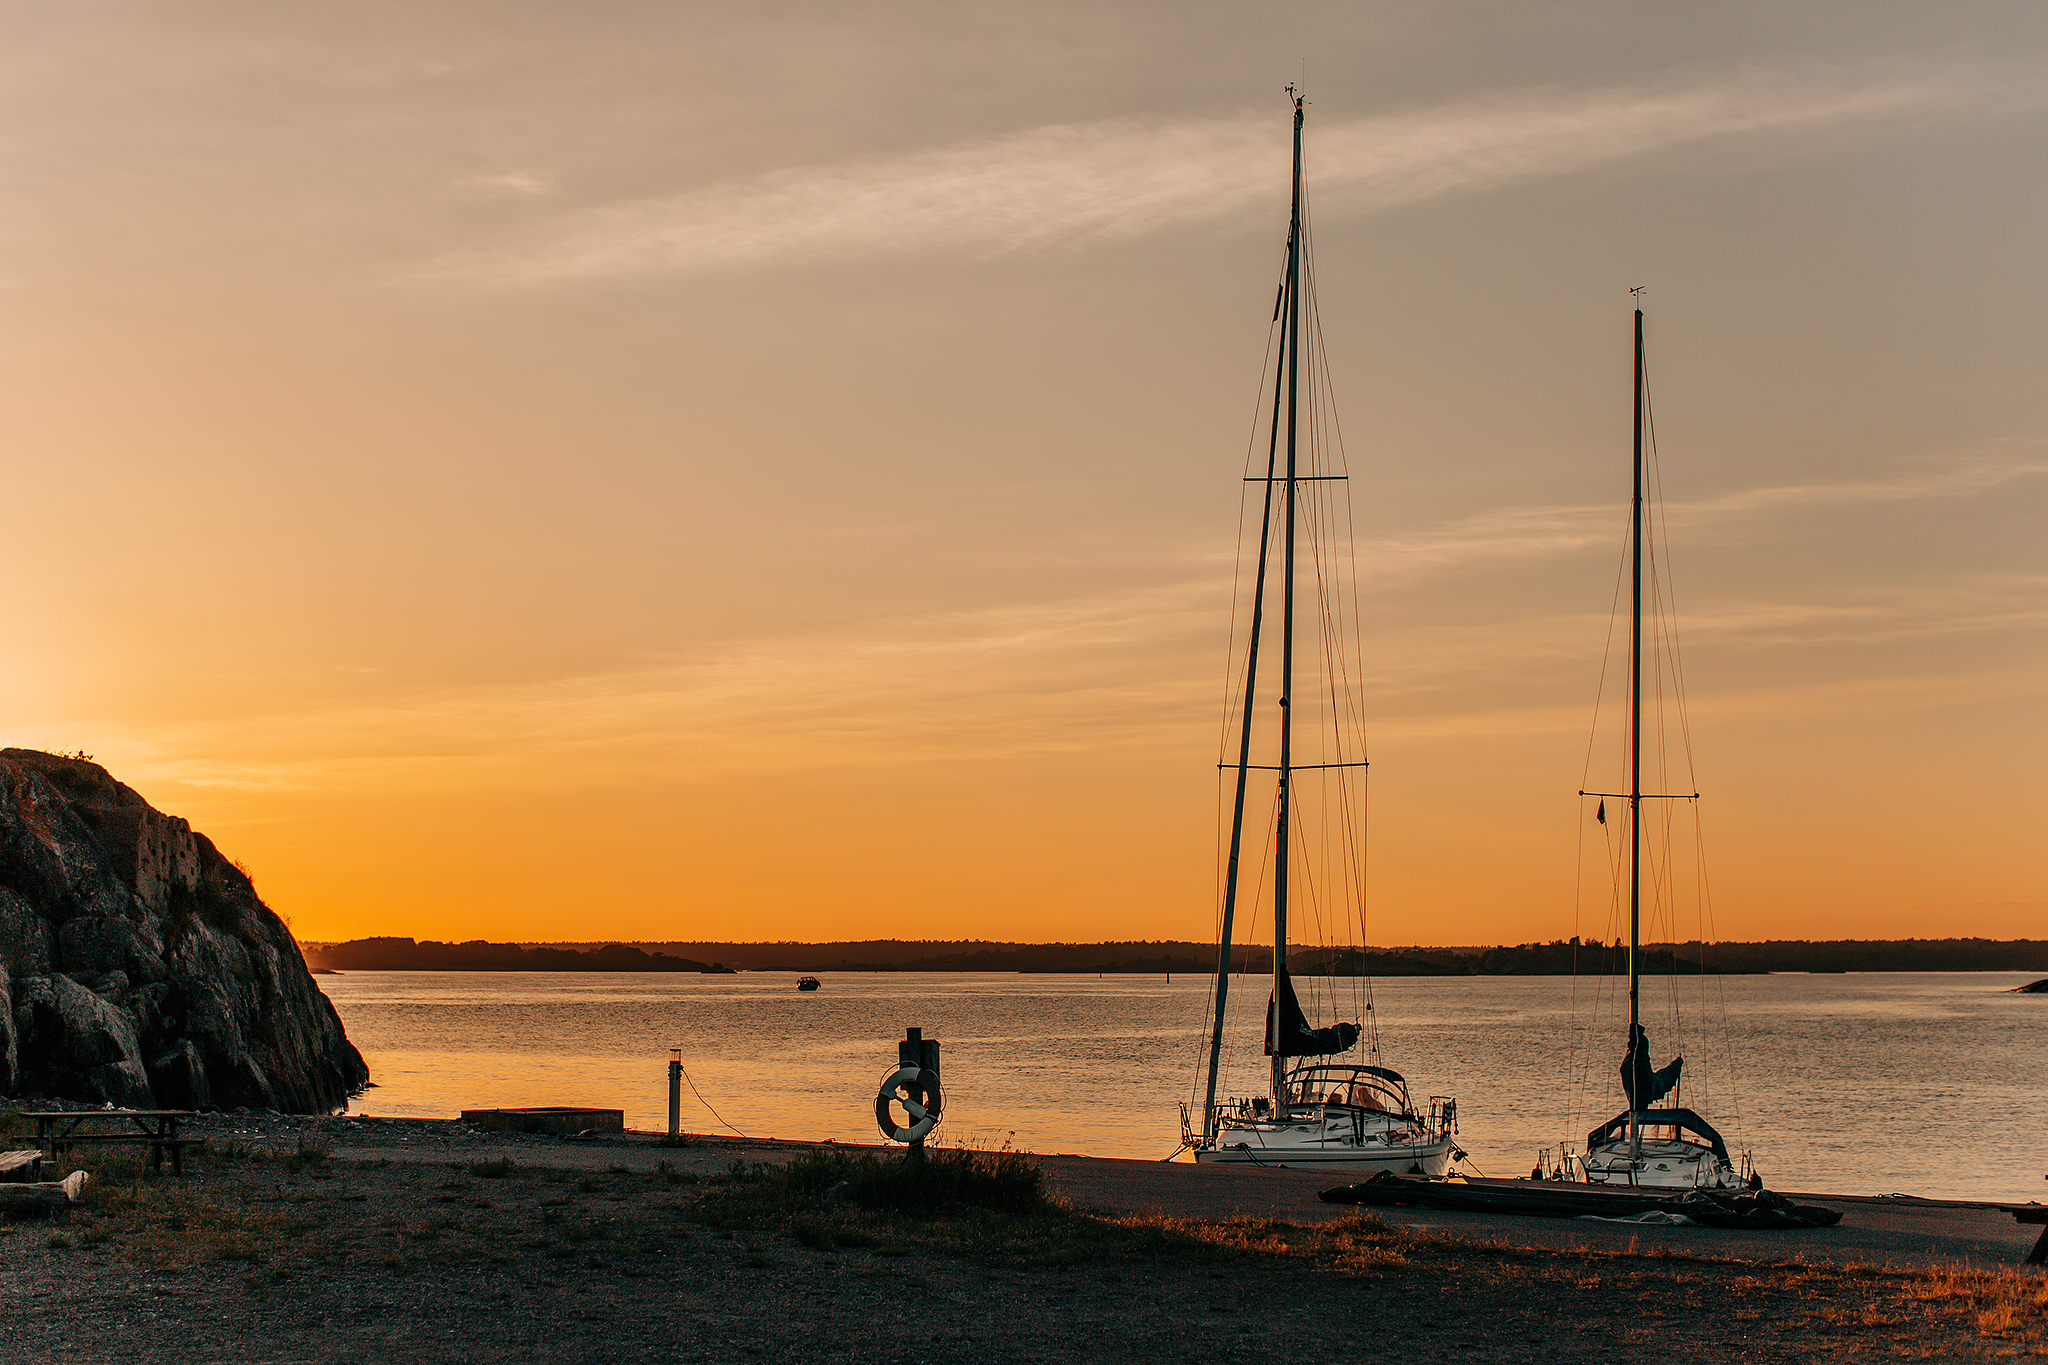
(1423,1158)
(1665,1165)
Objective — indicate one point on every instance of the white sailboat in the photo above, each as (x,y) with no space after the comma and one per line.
(1321,1109)
(1649,1144)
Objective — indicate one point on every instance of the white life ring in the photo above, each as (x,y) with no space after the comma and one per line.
(903,1086)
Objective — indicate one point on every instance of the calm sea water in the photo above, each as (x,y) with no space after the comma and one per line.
(1933,1084)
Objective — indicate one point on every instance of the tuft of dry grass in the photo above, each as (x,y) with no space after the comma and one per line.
(1355,1244)
(2010,1306)
(990,1208)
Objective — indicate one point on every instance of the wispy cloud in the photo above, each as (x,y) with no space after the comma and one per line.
(1959,475)
(1523,532)
(1124,178)
(1131,672)
(1045,677)
(507,182)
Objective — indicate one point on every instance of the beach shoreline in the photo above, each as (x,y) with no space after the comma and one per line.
(302,1238)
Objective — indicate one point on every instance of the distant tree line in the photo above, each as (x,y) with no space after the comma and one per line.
(404,955)
(1561,957)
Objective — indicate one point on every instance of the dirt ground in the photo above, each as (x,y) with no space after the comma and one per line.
(457,1248)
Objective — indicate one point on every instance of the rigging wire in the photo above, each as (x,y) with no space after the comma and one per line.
(1327,845)
(1233,683)
(1331,528)
(1726,1073)
(1580,1067)
(1673,875)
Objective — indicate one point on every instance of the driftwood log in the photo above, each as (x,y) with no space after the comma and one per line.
(43,1198)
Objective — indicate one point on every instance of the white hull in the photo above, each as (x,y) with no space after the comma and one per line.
(1323,1112)
(1428,1158)
(1353,1137)
(1665,1165)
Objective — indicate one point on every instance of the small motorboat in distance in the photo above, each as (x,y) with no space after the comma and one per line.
(807,983)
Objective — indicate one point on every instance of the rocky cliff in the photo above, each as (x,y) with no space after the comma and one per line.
(138,966)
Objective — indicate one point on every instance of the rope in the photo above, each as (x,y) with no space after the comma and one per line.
(706,1103)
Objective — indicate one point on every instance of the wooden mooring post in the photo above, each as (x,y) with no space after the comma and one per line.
(922,1052)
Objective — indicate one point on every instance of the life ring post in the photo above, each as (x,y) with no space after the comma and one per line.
(915,1087)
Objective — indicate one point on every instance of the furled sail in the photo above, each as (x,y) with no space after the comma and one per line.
(1639,1082)
(1287,1030)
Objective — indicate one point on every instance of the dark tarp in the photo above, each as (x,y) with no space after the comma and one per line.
(1559,1199)
(1642,1085)
(1287,1030)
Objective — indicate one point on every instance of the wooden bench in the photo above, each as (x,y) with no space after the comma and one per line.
(2033,1213)
(157,1128)
(21,1166)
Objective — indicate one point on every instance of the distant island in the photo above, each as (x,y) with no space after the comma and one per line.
(1563,957)
(406,955)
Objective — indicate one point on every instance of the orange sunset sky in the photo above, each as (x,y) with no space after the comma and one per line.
(671,471)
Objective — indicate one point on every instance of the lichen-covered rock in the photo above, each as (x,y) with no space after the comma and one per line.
(138,966)
(80,1046)
(10,1059)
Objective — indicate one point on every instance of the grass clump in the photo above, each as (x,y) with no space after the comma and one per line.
(951,1180)
(310,1158)
(2003,1305)
(989,1207)
(209,1155)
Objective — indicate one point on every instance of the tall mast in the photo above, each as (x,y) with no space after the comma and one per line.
(1282,847)
(1635,763)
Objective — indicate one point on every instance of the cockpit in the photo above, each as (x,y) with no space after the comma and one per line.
(1371,1088)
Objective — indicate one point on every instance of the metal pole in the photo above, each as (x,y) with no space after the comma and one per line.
(1244,745)
(1635,772)
(913,1051)
(1281,845)
(675,1092)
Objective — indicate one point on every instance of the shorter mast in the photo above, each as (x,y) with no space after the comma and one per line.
(1635,773)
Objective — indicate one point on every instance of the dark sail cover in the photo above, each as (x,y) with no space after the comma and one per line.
(1287,1030)
(1639,1082)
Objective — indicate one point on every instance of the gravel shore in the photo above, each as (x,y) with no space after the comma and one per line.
(311,1240)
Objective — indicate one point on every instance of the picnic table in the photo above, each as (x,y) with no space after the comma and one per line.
(64,1128)
(2033,1213)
